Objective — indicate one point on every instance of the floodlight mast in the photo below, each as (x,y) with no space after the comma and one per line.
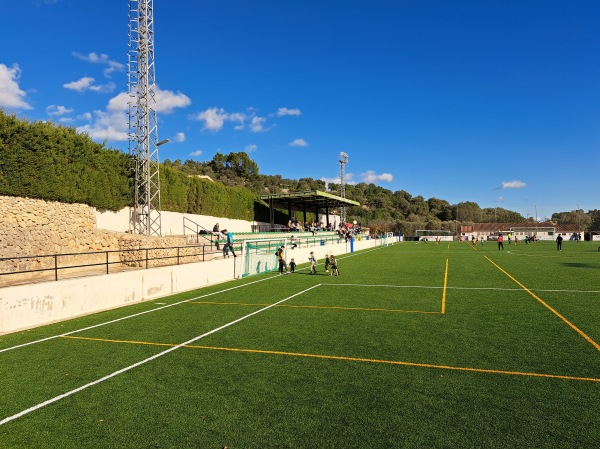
(343,161)
(143,130)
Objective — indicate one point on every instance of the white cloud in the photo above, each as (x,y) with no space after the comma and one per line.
(104,88)
(213,118)
(285,111)
(331,180)
(167,101)
(55,110)
(298,143)
(500,199)
(113,124)
(196,153)
(119,103)
(250,148)
(81,84)
(348,178)
(257,124)
(513,184)
(179,137)
(239,118)
(88,83)
(95,58)
(107,126)
(371,177)
(11,95)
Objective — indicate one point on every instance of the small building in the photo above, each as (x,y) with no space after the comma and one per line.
(541,230)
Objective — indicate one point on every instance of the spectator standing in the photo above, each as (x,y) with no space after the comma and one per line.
(281,260)
(559,241)
(292,265)
(229,245)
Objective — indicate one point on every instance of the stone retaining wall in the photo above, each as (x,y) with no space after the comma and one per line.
(30,227)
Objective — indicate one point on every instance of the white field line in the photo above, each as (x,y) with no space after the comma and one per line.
(153,310)
(132,316)
(149,359)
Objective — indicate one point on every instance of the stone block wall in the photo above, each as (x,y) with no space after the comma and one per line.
(30,227)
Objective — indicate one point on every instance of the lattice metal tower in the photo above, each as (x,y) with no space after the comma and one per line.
(343,161)
(143,131)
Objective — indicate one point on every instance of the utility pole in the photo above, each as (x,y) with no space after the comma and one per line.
(143,130)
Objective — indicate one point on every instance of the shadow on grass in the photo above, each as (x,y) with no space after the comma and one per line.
(581,265)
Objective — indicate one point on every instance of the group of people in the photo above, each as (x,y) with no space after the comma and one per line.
(297,226)
(331,265)
(229,240)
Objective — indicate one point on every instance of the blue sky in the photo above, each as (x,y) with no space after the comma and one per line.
(496,102)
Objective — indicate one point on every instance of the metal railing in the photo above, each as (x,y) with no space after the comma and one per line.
(199,232)
(68,265)
(50,266)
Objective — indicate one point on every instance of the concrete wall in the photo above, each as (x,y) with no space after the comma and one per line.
(171,222)
(27,306)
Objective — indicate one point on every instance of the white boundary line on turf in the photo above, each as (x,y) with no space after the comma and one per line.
(149,359)
(132,316)
(160,308)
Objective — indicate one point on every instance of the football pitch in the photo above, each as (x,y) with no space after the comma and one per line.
(413,345)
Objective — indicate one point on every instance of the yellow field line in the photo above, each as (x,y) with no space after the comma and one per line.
(444,291)
(351,359)
(541,301)
(317,307)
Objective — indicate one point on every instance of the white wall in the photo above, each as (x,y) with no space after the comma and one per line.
(171,222)
(32,305)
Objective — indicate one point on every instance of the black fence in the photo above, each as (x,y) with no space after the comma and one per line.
(53,265)
(68,265)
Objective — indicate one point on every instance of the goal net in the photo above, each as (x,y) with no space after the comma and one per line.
(258,256)
(432,234)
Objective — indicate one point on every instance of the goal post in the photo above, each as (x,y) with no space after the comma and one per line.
(431,234)
(258,256)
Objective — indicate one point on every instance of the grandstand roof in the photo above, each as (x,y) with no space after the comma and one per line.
(301,201)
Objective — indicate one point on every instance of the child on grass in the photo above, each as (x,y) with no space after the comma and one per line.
(334,266)
(327,263)
(313,263)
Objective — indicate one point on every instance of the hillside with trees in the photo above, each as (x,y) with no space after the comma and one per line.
(53,162)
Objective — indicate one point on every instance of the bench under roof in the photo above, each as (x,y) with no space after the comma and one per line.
(313,201)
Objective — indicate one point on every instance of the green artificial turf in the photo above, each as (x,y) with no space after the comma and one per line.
(413,345)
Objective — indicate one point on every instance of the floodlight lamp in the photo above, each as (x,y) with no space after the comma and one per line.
(162,142)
